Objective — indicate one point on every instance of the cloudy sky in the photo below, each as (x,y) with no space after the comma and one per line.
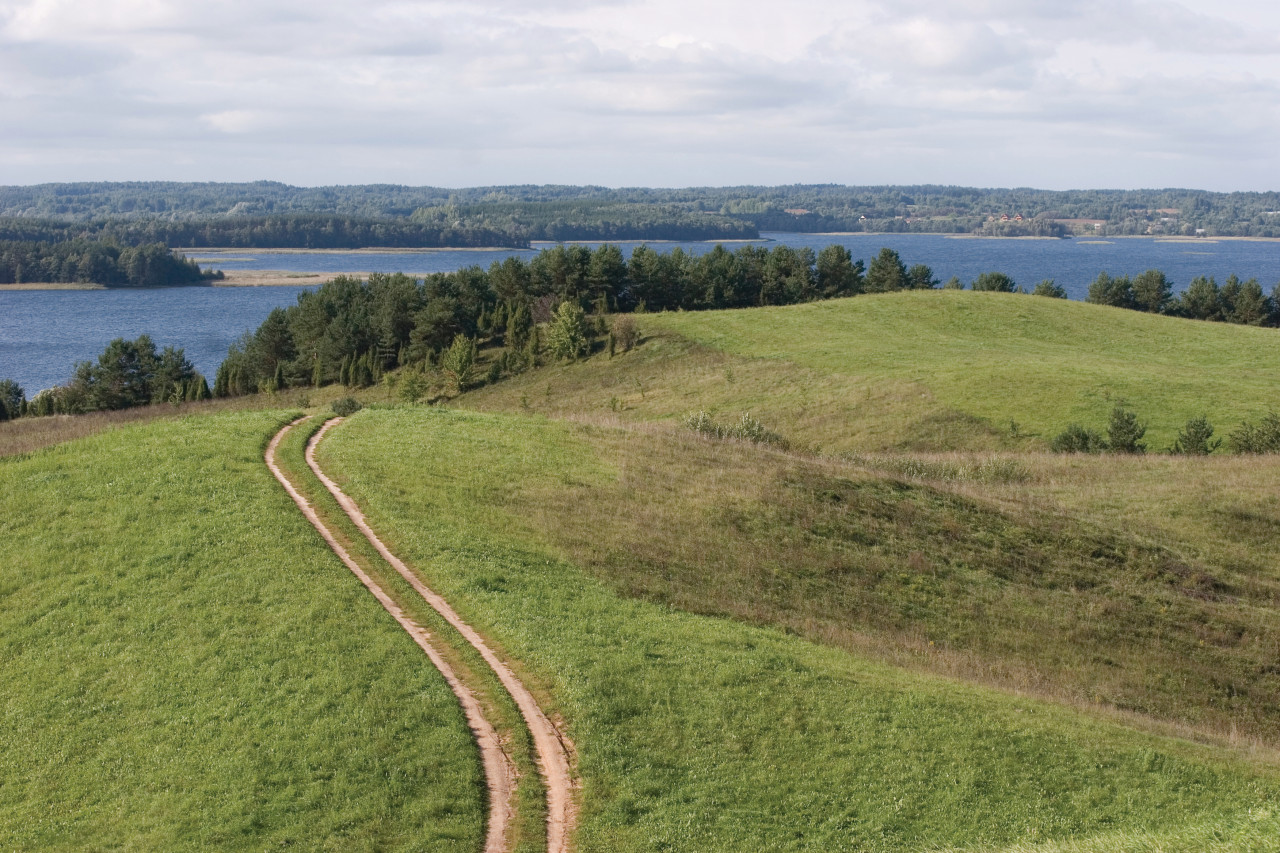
(1044,93)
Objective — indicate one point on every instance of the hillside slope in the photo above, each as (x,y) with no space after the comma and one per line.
(923,371)
(699,733)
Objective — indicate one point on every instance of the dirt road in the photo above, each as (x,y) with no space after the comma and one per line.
(498,770)
(553,748)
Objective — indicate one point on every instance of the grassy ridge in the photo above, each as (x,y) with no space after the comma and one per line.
(187,666)
(701,733)
(1002,357)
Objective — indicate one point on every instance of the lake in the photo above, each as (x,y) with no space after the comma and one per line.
(43,333)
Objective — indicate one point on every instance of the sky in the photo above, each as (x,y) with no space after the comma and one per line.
(1041,93)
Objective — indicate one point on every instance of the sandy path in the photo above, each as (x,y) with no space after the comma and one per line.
(499,772)
(551,746)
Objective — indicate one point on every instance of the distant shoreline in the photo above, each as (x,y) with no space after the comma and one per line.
(52,285)
(368,250)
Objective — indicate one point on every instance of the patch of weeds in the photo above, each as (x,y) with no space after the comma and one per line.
(746,429)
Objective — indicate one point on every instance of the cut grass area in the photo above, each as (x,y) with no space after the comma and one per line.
(188,667)
(698,733)
(919,371)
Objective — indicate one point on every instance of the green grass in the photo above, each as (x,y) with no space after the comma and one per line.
(188,667)
(527,833)
(701,733)
(998,357)
(920,371)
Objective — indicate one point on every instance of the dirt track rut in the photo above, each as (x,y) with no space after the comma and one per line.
(553,749)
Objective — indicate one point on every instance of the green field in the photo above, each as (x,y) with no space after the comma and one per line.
(914,629)
(931,370)
(700,733)
(188,667)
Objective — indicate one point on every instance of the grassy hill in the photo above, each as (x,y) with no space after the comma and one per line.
(186,666)
(704,733)
(936,370)
(929,634)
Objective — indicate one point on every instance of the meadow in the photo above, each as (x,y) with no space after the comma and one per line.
(910,628)
(188,667)
(698,732)
(924,371)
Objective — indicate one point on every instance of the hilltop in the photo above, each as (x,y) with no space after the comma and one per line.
(921,370)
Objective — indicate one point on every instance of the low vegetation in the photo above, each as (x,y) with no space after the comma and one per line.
(188,667)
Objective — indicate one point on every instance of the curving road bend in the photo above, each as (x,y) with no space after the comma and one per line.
(499,772)
(551,746)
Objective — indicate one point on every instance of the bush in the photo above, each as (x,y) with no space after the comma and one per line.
(1078,439)
(746,429)
(995,281)
(1196,438)
(1049,288)
(567,333)
(625,332)
(12,400)
(1116,292)
(458,363)
(1124,432)
(346,407)
(1263,437)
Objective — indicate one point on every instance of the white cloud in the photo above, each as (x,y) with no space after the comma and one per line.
(1026,92)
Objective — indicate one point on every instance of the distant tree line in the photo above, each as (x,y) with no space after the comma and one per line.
(296,231)
(603,213)
(97,262)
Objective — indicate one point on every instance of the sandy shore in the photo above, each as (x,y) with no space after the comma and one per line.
(51,285)
(276,278)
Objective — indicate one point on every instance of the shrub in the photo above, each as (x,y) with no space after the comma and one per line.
(1078,439)
(1196,438)
(1049,288)
(345,407)
(1116,292)
(458,363)
(625,332)
(12,400)
(567,334)
(1263,437)
(413,385)
(995,281)
(1124,432)
(953,283)
(746,429)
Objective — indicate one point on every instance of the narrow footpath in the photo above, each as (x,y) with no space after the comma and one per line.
(553,749)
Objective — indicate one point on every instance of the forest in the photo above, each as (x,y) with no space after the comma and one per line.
(97,262)
(267,214)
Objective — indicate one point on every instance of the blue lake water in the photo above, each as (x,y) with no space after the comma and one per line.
(43,333)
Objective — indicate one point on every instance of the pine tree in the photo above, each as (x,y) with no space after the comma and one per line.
(277,381)
(220,381)
(317,372)
(1124,433)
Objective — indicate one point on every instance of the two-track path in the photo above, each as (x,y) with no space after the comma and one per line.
(550,745)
